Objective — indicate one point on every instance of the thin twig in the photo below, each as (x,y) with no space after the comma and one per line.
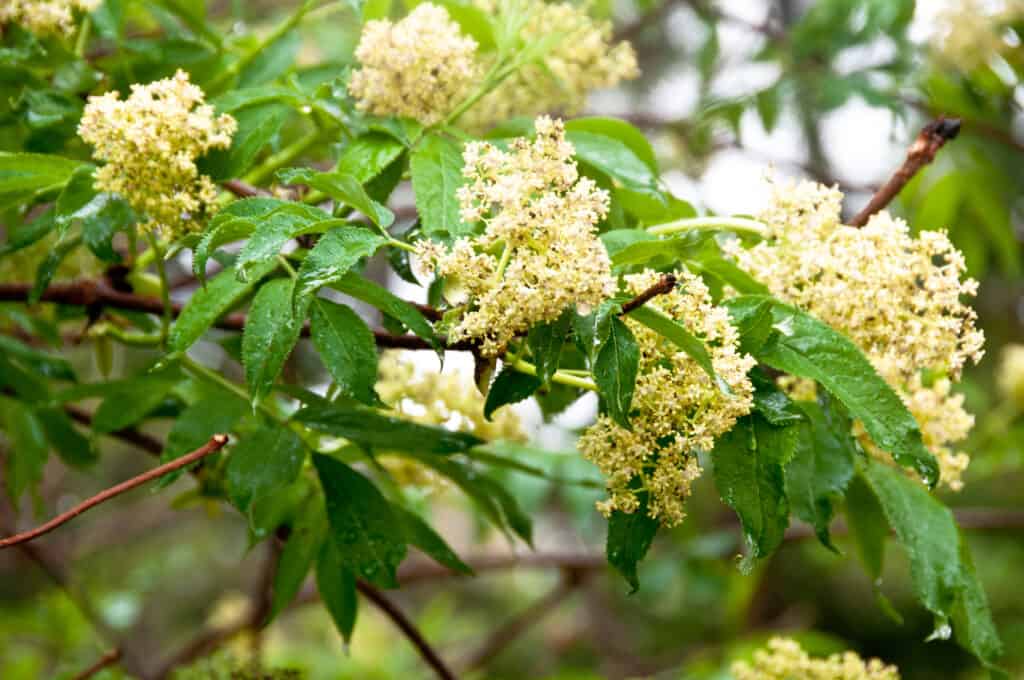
(408,628)
(664,285)
(932,137)
(105,661)
(216,443)
(243,189)
(512,629)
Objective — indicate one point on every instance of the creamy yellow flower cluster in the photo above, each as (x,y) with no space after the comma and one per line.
(1011,375)
(898,297)
(784,659)
(449,400)
(677,410)
(150,142)
(422,67)
(973,32)
(419,68)
(45,17)
(539,253)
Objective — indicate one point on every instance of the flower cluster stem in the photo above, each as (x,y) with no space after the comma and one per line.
(559,377)
(740,224)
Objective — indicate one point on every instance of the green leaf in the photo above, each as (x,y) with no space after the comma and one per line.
(868,526)
(334,255)
(772,403)
(749,462)
(545,341)
(72,446)
(272,233)
(337,586)
(509,387)
(45,364)
(271,331)
(821,468)
(347,347)
(22,236)
(369,155)
(258,124)
(195,426)
(644,250)
(371,293)
(806,347)
(421,535)
(369,537)
(369,428)
(629,538)
(679,336)
(24,174)
(619,130)
(727,273)
(262,462)
(27,452)
(615,369)
(614,158)
(129,401)
(304,544)
(341,187)
(77,194)
(473,21)
(48,267)
(436,168)
(208,304)
(104,217)
(235,222)
(592,330)
(940,566)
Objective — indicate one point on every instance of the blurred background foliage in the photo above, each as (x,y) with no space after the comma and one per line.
(833,90)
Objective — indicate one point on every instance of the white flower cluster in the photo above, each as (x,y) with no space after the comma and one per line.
(677,409)
(150,142)
(420,67)
(784,659)
(539,253)
(45,17)
(898,297)
(970,33)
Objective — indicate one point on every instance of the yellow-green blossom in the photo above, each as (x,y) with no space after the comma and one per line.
(150,142)
(1011,375)
(970,33)
(897,296)
(45,17)
(677,410)
(581,60)
(539,253)
(420,67)
(784,659)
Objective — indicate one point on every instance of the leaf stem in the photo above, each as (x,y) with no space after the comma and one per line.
(83,36)
(165,290)
(743,224)
(559,376)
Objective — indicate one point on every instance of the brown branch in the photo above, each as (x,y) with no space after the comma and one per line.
(512,629)
(663,286)
(216,443)
(932,137)
(105,661)
(243,189)
(408,628)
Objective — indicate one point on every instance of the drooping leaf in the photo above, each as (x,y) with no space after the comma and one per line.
(44,363)
(363,525)
(337,586)
(273,232)
(271,331)
(421,535)
(262,462)
(510,387)
(615,369)
(72,446)
(28,450)
(341,187)
(436,168)
(208,304)
(305,541)
(47,269)
(362,288)
(368,427)
(545,341)
(680,337)
(806,347)
(749,462)
(347,347)
(629,538)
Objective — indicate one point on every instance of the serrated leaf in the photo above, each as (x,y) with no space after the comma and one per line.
(615,370)
(421,535)
(809,348)
(619,130)
(342,187)
(821,468)
(272,233)
(369,537)
(614,158)
(545,341)
(307,537)
(347,347)
(271,331)
(940,566)
(368,155)
(371,293)
(629,538)
(106,216)
(337,586)
(749,462)
(592,329)
(235,222)
(436,168)
(509,387)
(682,338)
(221,295)
(262,462)
(258,124)
(330,260)
(24,174)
